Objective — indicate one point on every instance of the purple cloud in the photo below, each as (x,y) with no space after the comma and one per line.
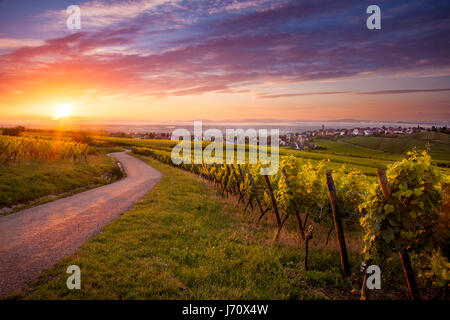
(195,47)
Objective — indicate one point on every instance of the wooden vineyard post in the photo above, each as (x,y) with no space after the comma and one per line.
(409,274)
(338,225)
(220,185)
(283,220)
(216,183)
(263,213)
(364,285)
(404,256)
(228,175)
(274,202)
(300,226)
(224,187)
(277,235)
(243,195)
(385,187)
(309,236)
(297,215)
(254,188)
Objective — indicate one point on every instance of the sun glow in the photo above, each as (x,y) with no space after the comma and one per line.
(63,111)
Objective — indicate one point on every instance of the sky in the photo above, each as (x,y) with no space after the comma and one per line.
(180,60)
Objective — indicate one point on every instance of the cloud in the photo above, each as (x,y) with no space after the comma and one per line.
(379,92)
(193,51)
(403,91)
(101,14)
(288,95)
(10,43)
(235,5)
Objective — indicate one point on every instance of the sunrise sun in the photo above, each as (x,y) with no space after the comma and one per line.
(63,111)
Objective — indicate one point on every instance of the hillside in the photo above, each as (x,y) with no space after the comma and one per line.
(389,148)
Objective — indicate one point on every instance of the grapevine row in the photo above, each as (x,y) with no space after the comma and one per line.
(411,220)
(21,148)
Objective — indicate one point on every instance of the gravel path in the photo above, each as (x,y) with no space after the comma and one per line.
(34,239)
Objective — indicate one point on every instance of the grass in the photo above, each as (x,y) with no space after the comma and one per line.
(369,153)
(367,166)
(340,147)
(439,144)
(35,182)
(183,241)
(104,150)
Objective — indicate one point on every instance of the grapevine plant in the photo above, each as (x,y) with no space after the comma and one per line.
(416,221)
(410,222)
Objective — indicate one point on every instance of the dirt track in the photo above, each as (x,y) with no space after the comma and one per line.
(34,239)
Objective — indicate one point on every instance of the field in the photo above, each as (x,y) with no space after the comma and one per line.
(33,182)
(343,147)
(184,241)
(413,212)
(366,165)
(439,143)
(344,151)
(389,148)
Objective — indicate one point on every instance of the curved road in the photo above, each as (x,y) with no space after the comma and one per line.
(34,239)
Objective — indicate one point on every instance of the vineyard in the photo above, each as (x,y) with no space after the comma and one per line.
(404,212)
(393,207)
(16,149)
(363,159)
